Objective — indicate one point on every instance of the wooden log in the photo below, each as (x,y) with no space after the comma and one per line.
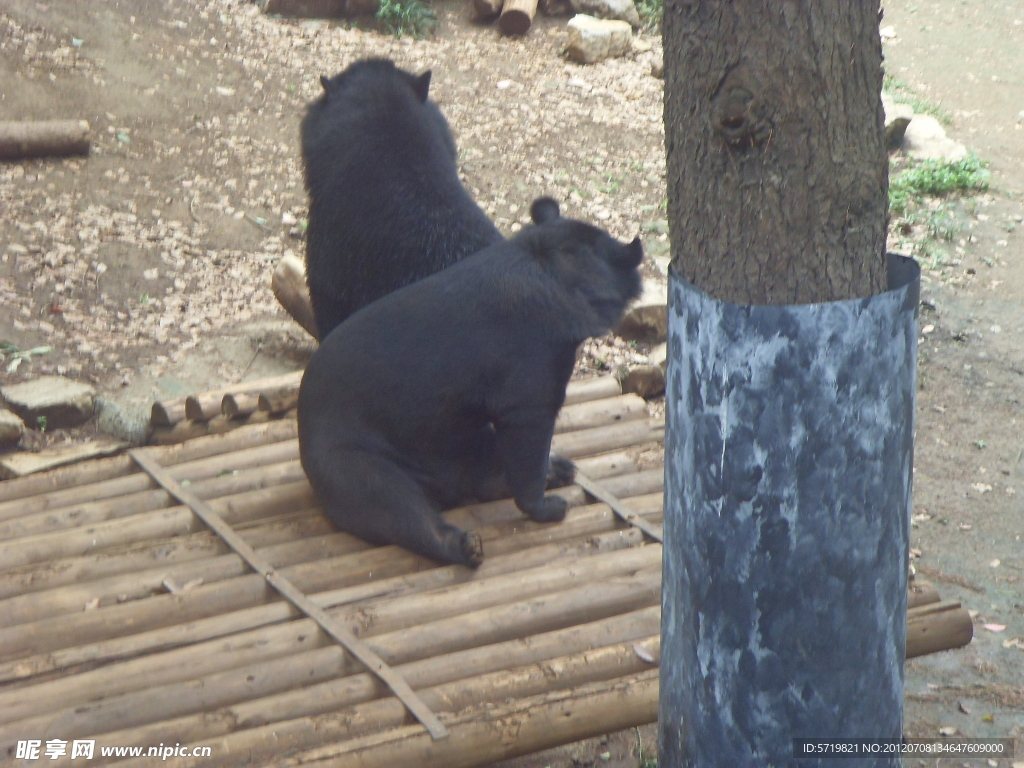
(560,673)
(587,522)
(517,16)
(479,735)
(190,430)
(278,401)
(148,704)
(203,407)
(238,406)
(921,593)
(486,10)
(938,627)
(500,623)
(22,463)
(335,693)
(587,442)
(69,519)
(592,389)
(289,286)
(599,413)
(159,552)
(344,576)
(167,413)
(115,477)
(36,605)
(43,138)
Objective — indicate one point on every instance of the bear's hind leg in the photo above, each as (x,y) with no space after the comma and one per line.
(369,496)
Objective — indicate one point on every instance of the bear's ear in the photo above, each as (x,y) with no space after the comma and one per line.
(421,86)
(325,82)
(630,256)
(543,210)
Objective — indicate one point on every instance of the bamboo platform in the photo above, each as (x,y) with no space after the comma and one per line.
(125,619)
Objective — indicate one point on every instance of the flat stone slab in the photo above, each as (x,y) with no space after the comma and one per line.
(11,427)
(592,40)
(61,402)
(23,463)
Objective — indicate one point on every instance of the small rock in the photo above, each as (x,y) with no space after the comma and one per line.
(647,319)
(645,380)
(659,356)
(622,10)
(61,402)
(640,45)
(657,66)
(288,219)
(591,40)
(925,139)
(556,7)
(11,427)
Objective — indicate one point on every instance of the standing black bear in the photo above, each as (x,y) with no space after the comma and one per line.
(448,389)
(386,205)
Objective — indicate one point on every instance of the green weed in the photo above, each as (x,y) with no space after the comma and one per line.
(936,178)
(407,17)
(651,12)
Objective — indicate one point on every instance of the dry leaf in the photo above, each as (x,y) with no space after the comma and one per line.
(995,627)
(947,730)
(963,708)
(1014,642)
(92,604)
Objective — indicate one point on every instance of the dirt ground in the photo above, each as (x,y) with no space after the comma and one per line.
(147,266)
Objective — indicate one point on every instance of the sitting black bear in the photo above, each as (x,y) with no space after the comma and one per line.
(447,389)
(386,206)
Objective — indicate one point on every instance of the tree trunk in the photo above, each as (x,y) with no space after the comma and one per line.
(777,169)
(792,345)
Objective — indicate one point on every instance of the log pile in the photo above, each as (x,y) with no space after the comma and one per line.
(124,619)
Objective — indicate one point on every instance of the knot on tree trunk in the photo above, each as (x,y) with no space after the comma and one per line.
(740,117)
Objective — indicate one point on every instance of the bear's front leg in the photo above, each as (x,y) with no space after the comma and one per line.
(525,447)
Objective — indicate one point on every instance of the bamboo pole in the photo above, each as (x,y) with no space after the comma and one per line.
(167,413)
(278,401)
(152,703)
(938,627)
(337,692)
(499,623)
(589,522)
(82,482)
(480,735)
(43,138)
(239,406)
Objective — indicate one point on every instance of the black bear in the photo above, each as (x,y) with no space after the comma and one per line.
(447,389)
(386,207)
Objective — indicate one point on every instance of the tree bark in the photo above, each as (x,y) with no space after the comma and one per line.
(777,169)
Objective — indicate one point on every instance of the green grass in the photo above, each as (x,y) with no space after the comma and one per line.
(904,94)
(650,12)
(935,178)
(407,17)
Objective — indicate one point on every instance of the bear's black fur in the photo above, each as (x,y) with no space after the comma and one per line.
(447,389)
(386,206)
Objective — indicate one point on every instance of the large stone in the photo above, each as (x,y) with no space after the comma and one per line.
(592,40)
(11,427)
(897,118)
(622,10)
(645,380)
(61,402)
(647,319)
(925,139)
